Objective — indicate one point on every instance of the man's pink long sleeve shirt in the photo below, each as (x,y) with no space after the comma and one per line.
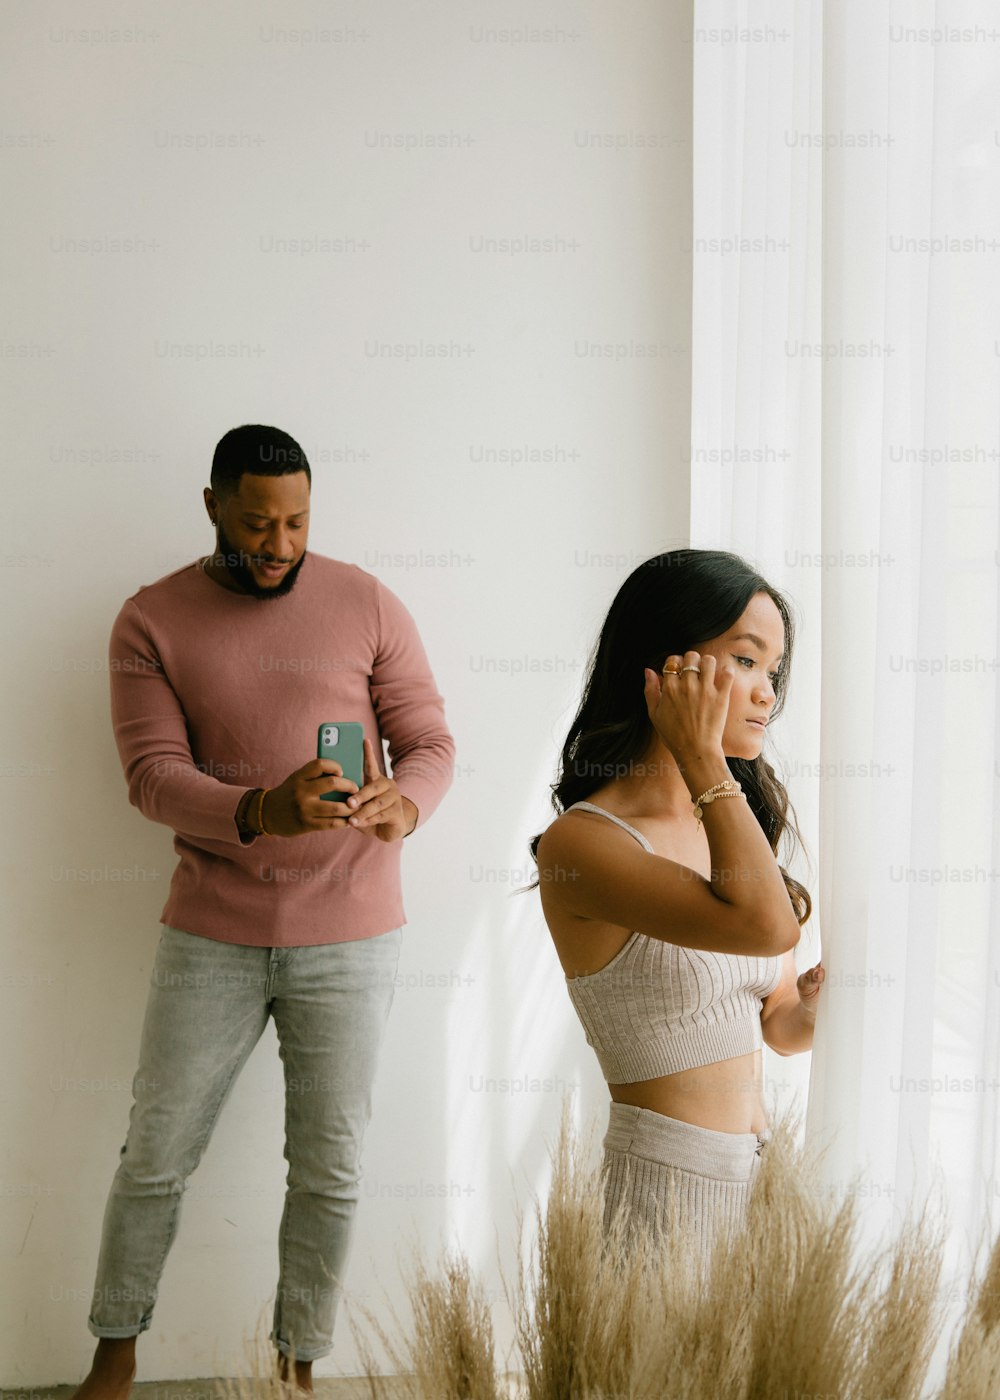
(214,692)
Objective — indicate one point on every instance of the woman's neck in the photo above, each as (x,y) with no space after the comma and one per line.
(655,788)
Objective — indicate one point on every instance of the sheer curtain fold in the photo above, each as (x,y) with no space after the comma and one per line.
(755,448)
(845,439)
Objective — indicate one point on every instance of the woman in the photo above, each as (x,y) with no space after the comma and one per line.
(671,916)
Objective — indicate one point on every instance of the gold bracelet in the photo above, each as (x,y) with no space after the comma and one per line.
(262,830)
(726,783)
(729,788)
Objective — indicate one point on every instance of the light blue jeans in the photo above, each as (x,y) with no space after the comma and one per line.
(208,1006)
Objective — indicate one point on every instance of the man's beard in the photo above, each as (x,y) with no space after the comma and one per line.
(234,561)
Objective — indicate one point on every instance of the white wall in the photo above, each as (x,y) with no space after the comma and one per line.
(204,134)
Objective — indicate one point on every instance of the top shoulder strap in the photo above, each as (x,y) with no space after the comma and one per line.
(590,807)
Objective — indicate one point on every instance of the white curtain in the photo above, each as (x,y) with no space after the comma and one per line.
(846,349)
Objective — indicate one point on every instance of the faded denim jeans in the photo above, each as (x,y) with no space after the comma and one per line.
(208,1006)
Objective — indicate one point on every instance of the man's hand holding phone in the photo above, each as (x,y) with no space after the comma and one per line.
(380,809)
(297,806)
(377,809)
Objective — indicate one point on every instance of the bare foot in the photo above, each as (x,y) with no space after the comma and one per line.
(303,1373)
(112,1372)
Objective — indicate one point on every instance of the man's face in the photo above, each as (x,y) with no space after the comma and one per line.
(262,531)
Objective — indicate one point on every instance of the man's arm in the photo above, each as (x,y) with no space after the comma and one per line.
(151,734)
(410,711)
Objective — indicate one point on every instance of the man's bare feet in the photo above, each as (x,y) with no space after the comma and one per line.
(303,1373)
(112,1372)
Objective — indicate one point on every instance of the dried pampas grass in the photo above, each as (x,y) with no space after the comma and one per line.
(450,1351)
(785,1310)
(974,1361)
(264,1381)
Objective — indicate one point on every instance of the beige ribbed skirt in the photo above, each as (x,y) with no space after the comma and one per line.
(667,1174)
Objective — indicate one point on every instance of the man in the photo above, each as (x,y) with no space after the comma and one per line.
(282,904)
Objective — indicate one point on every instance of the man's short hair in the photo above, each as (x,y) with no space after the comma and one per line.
(259,450)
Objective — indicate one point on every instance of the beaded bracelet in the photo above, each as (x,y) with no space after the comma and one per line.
(729,788)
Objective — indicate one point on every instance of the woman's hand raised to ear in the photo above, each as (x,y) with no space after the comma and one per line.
(689,710)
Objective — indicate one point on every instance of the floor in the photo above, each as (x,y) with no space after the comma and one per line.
(350,1388)
(346,1389)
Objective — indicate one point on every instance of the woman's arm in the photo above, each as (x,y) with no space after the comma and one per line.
(596,873)
(788,1017)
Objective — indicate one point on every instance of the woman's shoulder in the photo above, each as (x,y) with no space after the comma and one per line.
(574,851)
(581,828)
(596,830)
(569,820)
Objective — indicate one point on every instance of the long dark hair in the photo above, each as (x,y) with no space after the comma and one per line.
(668,605)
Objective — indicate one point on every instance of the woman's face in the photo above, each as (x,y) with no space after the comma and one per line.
(752,648)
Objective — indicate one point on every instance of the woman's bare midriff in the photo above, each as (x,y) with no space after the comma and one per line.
(726,1096)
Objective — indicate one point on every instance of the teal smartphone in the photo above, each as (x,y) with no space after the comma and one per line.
(345,744)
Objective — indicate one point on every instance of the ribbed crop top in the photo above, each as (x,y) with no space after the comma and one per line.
(657,1008)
